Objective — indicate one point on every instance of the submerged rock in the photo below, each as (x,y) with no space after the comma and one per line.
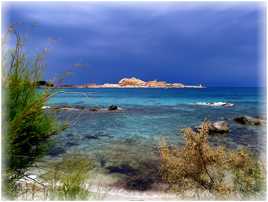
(140,183)
(56,151)
(122,169)
(67,107)
(88,136)
(112,107)
(248,120)
(94,109)
(71,143)
(140,176)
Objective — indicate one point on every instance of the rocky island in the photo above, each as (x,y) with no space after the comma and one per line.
(134,83)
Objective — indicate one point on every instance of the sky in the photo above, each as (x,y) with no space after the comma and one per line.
(215,44)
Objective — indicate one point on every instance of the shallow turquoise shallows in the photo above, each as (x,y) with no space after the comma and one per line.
(148,115)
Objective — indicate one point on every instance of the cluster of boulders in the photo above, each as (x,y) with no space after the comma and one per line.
(222,127)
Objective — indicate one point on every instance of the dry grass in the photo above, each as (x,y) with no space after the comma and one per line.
(218,170)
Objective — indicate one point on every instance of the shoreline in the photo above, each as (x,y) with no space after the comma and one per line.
(103,186)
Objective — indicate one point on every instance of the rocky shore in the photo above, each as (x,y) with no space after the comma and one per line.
(111,108)
(134,83)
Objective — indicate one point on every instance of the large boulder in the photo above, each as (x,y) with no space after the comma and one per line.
(248,120)
(218,127)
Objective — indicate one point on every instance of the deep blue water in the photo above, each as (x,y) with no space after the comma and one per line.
(150,114)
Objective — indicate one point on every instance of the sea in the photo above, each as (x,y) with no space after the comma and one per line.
(147,116)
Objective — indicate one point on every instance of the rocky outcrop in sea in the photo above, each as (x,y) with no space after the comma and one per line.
(134,82)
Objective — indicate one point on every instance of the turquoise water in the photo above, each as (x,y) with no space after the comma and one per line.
(157,97)
(148,115)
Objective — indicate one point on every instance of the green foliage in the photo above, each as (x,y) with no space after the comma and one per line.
(27,126)
(68,178)
(248,174)
(200,166)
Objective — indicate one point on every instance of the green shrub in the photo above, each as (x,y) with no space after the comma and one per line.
(247,172)
(27,127)
(218,170)
(68,178)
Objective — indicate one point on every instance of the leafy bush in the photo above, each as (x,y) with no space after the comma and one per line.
(198,165)
(68,178)
(27,126)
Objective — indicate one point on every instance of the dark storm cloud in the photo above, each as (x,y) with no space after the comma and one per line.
(212,43)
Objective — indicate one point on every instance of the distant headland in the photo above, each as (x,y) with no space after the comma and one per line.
(134,83)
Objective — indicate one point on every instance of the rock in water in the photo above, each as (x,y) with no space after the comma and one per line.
(112,107)
(56,151)
(122,169)
(248,120)
(88,136)
(218,127)
(94,109)
(140,183)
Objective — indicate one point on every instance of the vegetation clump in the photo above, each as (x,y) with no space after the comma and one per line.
(68,178)
(27,126)
(199,166)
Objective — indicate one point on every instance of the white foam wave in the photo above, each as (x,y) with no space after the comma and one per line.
(216,104)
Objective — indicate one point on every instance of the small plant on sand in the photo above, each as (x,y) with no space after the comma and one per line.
(68,178)
(198,165)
